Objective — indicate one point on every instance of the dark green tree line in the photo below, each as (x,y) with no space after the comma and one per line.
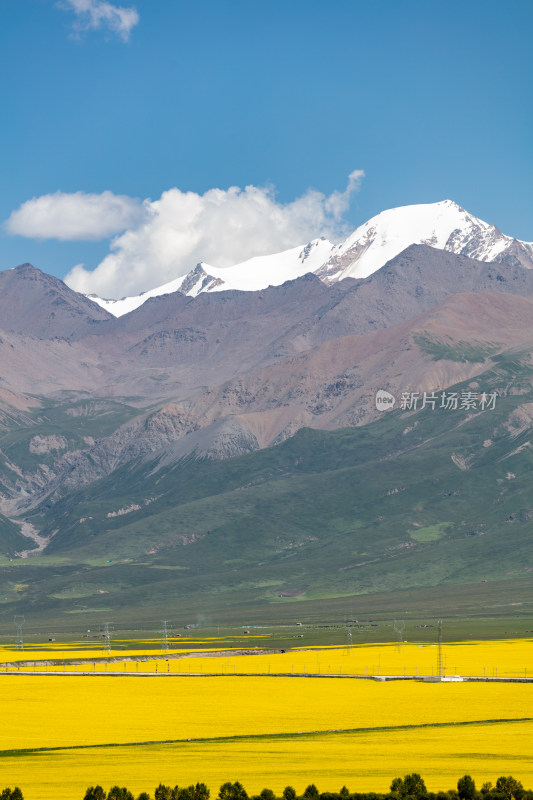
(410,787)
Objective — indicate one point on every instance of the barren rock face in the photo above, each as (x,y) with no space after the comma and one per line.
(47,444)
(36,304)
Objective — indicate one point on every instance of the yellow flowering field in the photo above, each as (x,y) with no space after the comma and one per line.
(501,658)
(363,762)
(129,648)
(504,658)
(57,711)
(267,729)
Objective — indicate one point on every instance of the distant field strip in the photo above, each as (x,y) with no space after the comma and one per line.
(503,658)
(29,751)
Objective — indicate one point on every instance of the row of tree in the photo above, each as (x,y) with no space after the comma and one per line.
(410,787)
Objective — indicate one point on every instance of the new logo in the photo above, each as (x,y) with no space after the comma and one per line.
(384,400)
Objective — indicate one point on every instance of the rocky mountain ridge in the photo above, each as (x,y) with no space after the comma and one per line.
(445,226)
(233,372)
(225,452)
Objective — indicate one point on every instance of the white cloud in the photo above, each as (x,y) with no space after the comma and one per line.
(77,216)
(220,227)
(95,14)
(339,202)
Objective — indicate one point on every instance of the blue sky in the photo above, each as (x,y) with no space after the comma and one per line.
(432,100)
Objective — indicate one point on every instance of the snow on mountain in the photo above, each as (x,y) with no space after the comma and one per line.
(253,275)
(127,304)
(444,225)
(262,271)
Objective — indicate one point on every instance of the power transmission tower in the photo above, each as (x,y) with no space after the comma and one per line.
(164,636)
(19,621)
(399,627)
(439,651)
(348,640)
(105,631)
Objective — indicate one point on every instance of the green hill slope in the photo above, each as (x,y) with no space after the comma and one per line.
(415,501)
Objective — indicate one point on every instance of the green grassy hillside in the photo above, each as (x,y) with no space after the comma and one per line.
(11,540)
(415,502)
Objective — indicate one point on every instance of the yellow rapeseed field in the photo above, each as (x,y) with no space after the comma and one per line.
(502,658)
(365,761)
(268,730)
(129,648)
(57,711)
(498,658)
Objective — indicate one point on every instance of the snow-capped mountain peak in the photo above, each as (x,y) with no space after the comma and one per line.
(444,225)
